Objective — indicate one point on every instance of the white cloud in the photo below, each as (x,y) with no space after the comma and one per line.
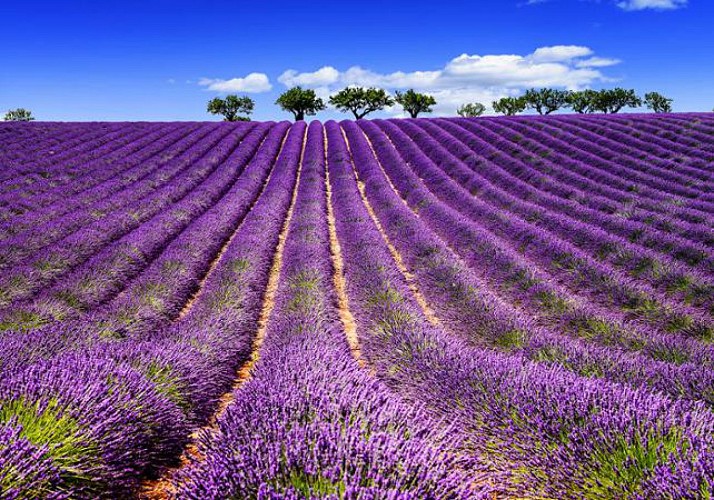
(470,77)
(254,82)
(559,53)
(652,4)
(323,76)
(596,62)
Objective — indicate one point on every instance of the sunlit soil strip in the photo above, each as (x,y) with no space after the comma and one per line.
(348,321)
(411,282)
(163,488)
(194,296)
(269,297)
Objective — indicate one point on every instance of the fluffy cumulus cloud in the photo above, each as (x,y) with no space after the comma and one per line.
(651,4)
(470,77)
(323,76)
(254,83)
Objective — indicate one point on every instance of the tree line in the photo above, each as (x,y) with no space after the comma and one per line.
(302,102)
(362,101)
(546,101)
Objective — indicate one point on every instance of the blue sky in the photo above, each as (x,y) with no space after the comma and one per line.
(164,59)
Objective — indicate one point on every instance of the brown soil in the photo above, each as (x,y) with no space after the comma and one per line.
(164,487)
(340,284)
(192,299)
(408,276)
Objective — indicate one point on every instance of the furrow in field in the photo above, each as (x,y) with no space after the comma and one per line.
(104,274)
(469,307)
(562,167)
(307,369)
(338,278)
(660,270)
(165,487)
(574,268)
(163,291)
(515,277)
(184,368)
(511,410)
(398,260)
(64,218)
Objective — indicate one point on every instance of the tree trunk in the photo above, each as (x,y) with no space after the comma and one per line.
(414,114)
(299,116)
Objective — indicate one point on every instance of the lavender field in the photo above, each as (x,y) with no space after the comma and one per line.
(445,308)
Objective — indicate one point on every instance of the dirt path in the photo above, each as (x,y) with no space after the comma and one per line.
(340,284)
(408,276)
(163,488)
(212,267)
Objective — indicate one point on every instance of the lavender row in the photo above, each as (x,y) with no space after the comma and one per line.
(183,368)
(569,174)
(109,165)
(53,170)
(108,270)
(662,217)
(100,171)
(467,307)
(560,259)
(38,141)
(623,168)
(59,220)
(559,435)
(162,290)
(691,283)
(644,149)
(23,183)
(600,165)
(513,277)
(667,148)
(333,431)
(496,178)
(47,265)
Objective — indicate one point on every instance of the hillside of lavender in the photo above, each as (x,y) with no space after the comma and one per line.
(442,308)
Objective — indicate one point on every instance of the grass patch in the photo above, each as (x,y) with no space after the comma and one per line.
(51,426)
(510,340)
(618,471)
(167,383)
(21,320)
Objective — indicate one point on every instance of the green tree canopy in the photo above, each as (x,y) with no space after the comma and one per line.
(19,115)
(471,109)
(581,101)
(414,103)
(300,102)
(233,108)
(658,103)
(613,100)
(545,101)
(361,101)
(510,106)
